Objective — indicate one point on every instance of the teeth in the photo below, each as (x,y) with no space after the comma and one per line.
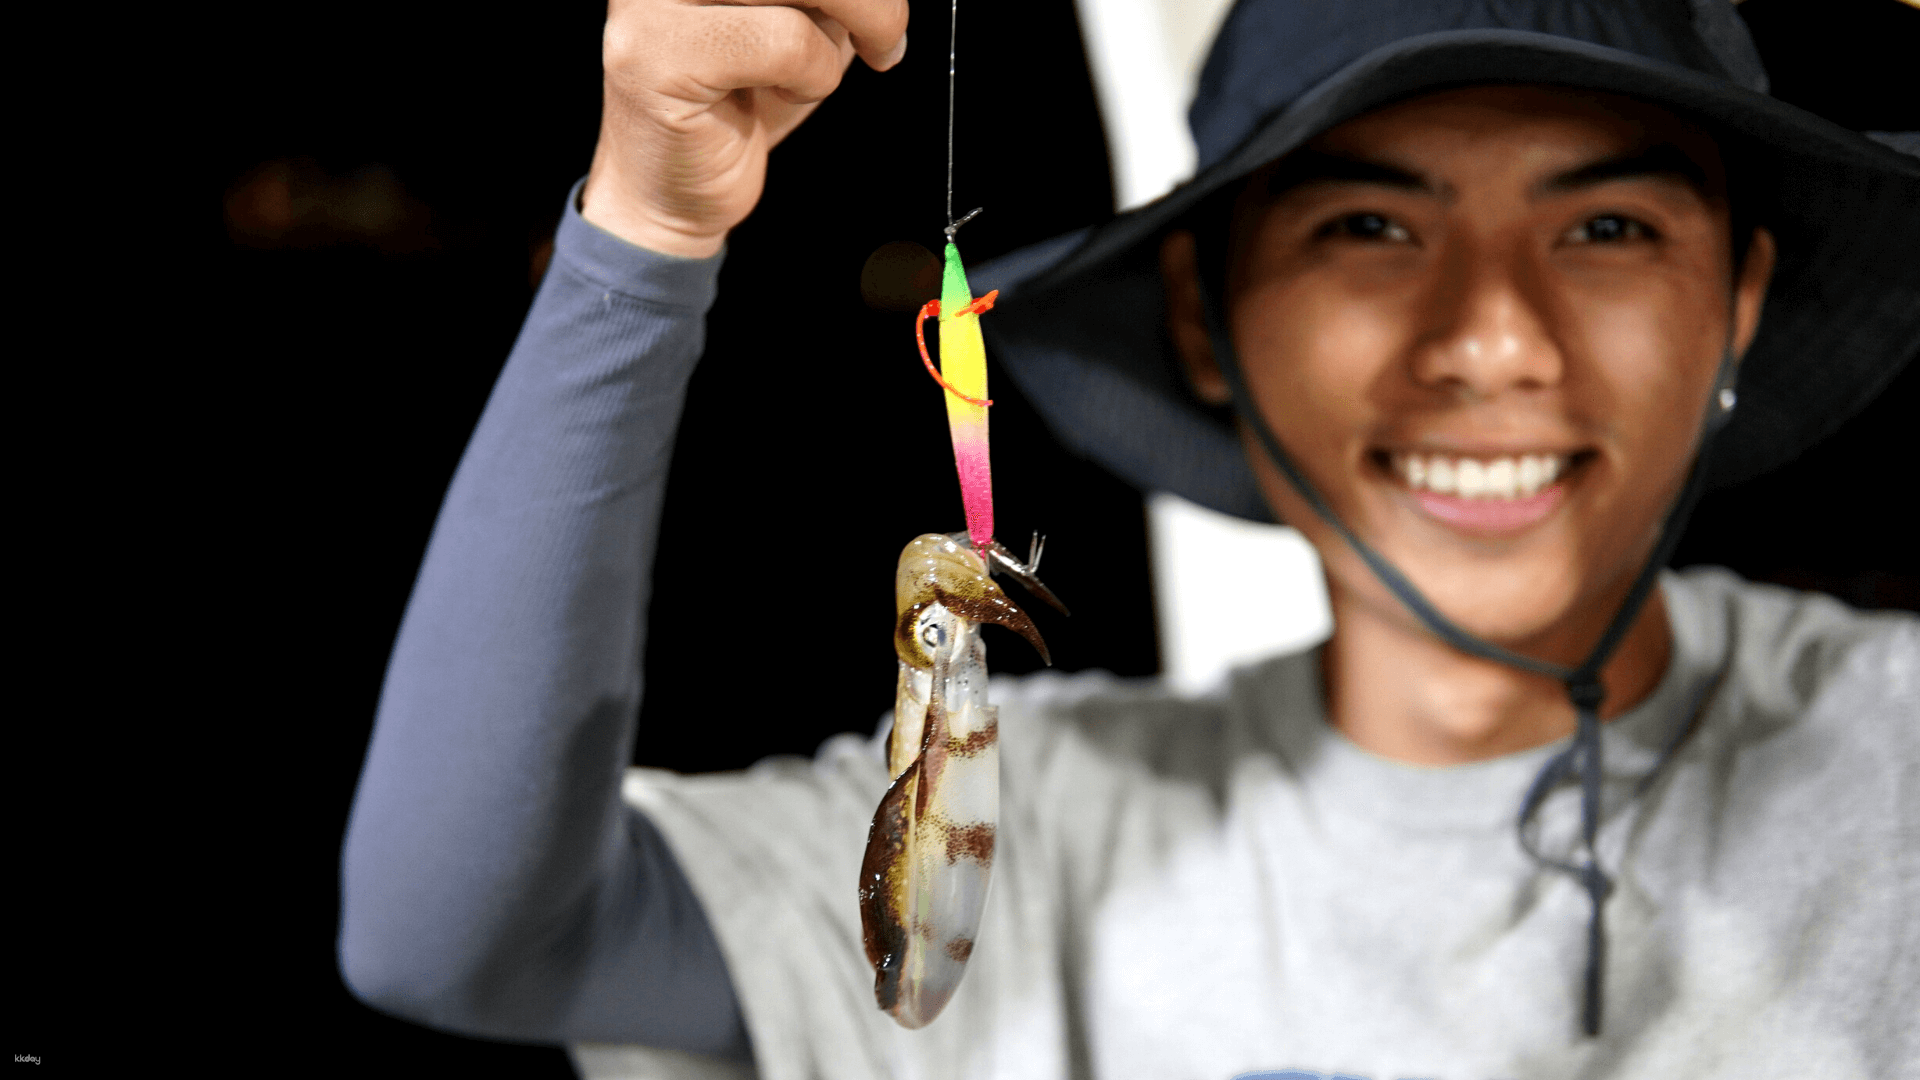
(1471,478)
(1532,474)
(1500,479)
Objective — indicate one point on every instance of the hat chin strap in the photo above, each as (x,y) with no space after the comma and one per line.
(1580,761)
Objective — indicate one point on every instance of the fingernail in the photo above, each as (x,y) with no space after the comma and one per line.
(899,52)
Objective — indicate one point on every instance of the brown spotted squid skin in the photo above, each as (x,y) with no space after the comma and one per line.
(923,881)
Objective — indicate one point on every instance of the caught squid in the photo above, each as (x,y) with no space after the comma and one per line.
(929,857)
(923,882)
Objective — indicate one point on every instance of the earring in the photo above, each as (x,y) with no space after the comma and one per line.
(1724,397)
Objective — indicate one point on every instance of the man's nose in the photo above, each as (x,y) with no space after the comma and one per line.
(1486,334)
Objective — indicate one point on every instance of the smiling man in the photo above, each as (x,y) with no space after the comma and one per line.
(1479,296)
(1473,315)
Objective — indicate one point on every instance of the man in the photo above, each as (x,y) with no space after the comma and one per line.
(1491,294)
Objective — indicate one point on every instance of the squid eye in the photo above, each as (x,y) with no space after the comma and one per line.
(933,635)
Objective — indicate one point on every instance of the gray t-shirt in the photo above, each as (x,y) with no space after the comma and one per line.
(1208,888)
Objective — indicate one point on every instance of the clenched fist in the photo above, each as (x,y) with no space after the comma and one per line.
(696,95)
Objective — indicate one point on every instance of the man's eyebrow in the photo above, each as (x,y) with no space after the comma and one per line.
(1663,160)
(1312,166)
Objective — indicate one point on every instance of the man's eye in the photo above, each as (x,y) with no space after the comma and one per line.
(1610,229)
(1367,227)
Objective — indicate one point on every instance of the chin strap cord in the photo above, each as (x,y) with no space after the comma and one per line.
(1581,761)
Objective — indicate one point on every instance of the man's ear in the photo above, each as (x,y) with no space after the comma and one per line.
(1749,290)
(1186,317)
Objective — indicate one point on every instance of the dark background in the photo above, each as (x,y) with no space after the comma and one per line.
(374,213)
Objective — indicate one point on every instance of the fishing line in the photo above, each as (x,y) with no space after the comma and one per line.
(953,53)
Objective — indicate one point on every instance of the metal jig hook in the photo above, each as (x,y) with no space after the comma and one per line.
(1000,560)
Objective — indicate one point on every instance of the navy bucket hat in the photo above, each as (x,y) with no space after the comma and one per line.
(1081,321)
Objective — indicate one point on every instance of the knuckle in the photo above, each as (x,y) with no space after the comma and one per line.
(630,23)
(794,43)
(643,39)
(619,47)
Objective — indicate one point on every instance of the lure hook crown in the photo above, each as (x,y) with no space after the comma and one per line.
(1000,560)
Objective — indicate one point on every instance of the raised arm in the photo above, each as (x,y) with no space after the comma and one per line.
(493,881)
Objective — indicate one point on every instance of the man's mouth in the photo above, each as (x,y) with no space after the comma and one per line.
(1501,494)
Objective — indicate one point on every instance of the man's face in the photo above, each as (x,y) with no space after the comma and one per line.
(1486,324)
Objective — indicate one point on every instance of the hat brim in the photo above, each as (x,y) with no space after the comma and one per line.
(1081,324)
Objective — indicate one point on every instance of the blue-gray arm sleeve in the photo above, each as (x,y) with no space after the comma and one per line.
(493,881)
